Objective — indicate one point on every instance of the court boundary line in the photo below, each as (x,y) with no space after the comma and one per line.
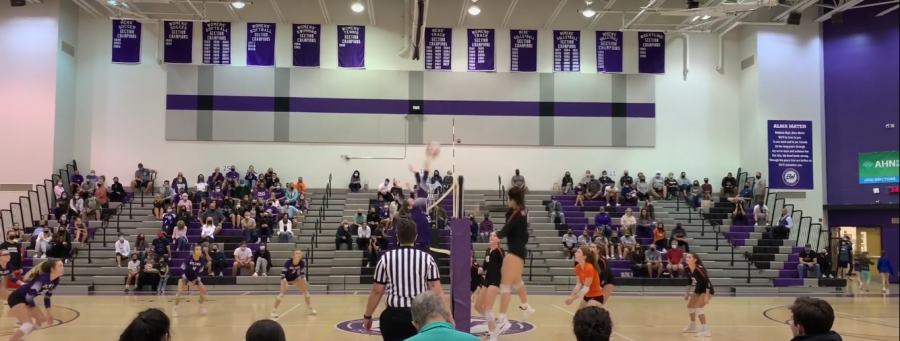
(573,314)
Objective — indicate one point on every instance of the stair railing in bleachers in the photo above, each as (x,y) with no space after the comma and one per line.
(71,268)
(500,189)
(328,187)
(6,220)
(530,265)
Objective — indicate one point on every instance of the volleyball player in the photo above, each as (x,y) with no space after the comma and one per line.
(7,274)
(41,280)
(477,278)
(294,273)
(606,275)
(703,293)
(516,233)
(484,305)
(588,286)
(192,268)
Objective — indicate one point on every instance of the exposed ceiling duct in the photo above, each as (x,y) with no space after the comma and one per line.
(419,13)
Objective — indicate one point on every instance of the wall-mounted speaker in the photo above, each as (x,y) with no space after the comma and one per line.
(416,107)
(794,18)
(837,18)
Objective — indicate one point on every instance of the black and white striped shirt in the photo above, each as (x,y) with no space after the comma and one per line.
(406,272)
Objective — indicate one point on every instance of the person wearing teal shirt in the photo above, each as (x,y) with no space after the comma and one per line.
(430,318)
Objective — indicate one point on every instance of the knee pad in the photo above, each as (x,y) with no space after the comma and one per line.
(26,328)
(489,315)
(505,289)
(699,311)
(692,310)
(280,296)
(306,293)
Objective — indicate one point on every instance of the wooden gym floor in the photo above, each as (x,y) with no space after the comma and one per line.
(636,318)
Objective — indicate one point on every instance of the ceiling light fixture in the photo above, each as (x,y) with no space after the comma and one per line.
(357,7)
(588,12)
(238,4)
(112,3)
(705,17)
(474,9)
(695,19)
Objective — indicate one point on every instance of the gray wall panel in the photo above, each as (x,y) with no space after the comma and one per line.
(482,86)
(484,130)
(347,128)
(243,126)
(582,131)
(354,84)
(641,89)
(204,125)
(244,81)
(641,132)
(181,79)
(181,125)
(582,87)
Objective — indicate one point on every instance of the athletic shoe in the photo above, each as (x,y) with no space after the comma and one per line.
(704,333)
(274,314)
(692,328)
(500,328)
(175,312)
(526,312)
(202,310)
(312,311)
(504,326)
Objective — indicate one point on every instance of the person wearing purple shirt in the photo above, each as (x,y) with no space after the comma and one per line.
(192,269)
(179,183)
(75,181)
(293,274)
(604,222)
(232,179)
(216,195)
(486,228)
(41,280)
(260,192)
(250,178)
(279,192)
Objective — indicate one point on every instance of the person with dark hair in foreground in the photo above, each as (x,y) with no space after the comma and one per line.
(265,330)
(812,319)
(591,324)
(150,325)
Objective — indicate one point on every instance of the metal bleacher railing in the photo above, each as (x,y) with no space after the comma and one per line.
(317,225)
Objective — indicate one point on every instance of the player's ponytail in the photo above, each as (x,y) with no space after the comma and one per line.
(592,324)
(42,268)
(149,325)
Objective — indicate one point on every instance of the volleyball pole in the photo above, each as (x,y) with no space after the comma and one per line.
(460,274)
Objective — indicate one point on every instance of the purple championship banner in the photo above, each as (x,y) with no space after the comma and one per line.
(523,51)
(178,47)
(481,50)
(652,52)
(126,45)
(351,47)
(438,49)
(609,51)
(566,51)
(217,43)
(306,45)
(790,154)
(260,44)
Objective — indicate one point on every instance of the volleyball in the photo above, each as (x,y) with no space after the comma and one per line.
(433,149)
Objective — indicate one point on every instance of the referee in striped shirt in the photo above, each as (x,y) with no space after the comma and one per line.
(406,272)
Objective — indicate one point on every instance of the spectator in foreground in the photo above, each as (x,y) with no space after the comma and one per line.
(675,256)
(519,181)
(265,330)
(150,325)
(142,179)
(430,317)
(554,210)
(808,262)
(263,259)
(812,319)
(591,324)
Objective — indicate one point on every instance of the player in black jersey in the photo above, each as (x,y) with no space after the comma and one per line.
(606,275)
(7,274)
(477,278)
(703,293)
(516,233)
(294,274)
(493,265)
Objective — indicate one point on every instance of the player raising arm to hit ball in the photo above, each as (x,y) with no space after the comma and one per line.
(294,273)
(41,280)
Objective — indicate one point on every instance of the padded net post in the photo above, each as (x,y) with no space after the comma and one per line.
(460,273)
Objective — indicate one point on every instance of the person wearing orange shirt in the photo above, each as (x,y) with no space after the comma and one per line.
(300,185)
(102,194)
(588,287)
(659,236)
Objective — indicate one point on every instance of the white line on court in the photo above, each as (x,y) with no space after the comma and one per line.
(571,313)
(245,294)
(875,319)
(286,312)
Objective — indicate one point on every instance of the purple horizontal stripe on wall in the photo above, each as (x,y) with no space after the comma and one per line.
(387,106)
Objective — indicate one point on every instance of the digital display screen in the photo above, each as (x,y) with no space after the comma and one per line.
(893,190)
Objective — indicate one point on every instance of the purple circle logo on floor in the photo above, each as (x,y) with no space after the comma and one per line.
(479,327)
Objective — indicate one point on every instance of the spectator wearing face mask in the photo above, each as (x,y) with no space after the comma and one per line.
(659,237)
(639,262)
(519,181)
(123,250)
(485,228)
(363,234)
(585,239)
(679,234)
(42,244)
(243,259)
(285,230)
(102,194)
(162,246)
(844,256)
(384,191)
(761,214)
(570,243)
(728,186)
(263,260)
(612,194)
(695,195)
(642,188)
(684,184)
(707,187)
(134,271)
(343,236)
(811,320)
(671,186)
(372,217)
(628,196)
(232,180)
(603,222)
(218,261)
(629,245)
(208,231)
(585,178)
(117,191)
(654,261)
(567,184)
(626,180)
(554,211)
(355,182)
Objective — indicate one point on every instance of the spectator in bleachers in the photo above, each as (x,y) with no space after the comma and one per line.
(693,197)
(159,206)
(585,178)
(58,189)
(268,178)
(179,183)
(169,220)
(783,229)
(654,261)
(184,212)
(90,181)
(372,217)
(437,183)
(75,181)
(554,211)
(658,186)
(140,246)
(760,186)
(292,194)
(76,206)
(149,275)
(123,250)
(371,254)
(615,245)
(626,180)
(200,188)
(213,212)
(248,228)
(303,204)
(602,243)
(570,243)
(728,186)
(216,195)
(216,179)
(642,187)
(384,191)
(61,246)
(659,237)
(266,222)
(342,236)
(629,245)
(117,191)
(42,243)
(358,220)
(628,196)
(591,324)
(13,246)
(824,261)
(812,319)
(263,259)
(179,234)
(605,181)
(638,262)
(92,209)
(628,222)
(81,230)
(675,257)
(486,227)
(355,182)
(567,184)
(684,184)
(679,234)
(218,262)
(519,181)
(364,233)
(264,330)
(585,239)
(808,262)
(62,206)
(648,205)
(603,222)
(761,213)
(243,259)
(162,246)
(645,224)
(143,179)
(285,230)
(670,189)
(612,194)
(592,190)
(448,180)
(168,194)
(208,231)
(232,180)
(162,265)
(102,194)
(707,189)
(739,215)
(250,178)
(134,271)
